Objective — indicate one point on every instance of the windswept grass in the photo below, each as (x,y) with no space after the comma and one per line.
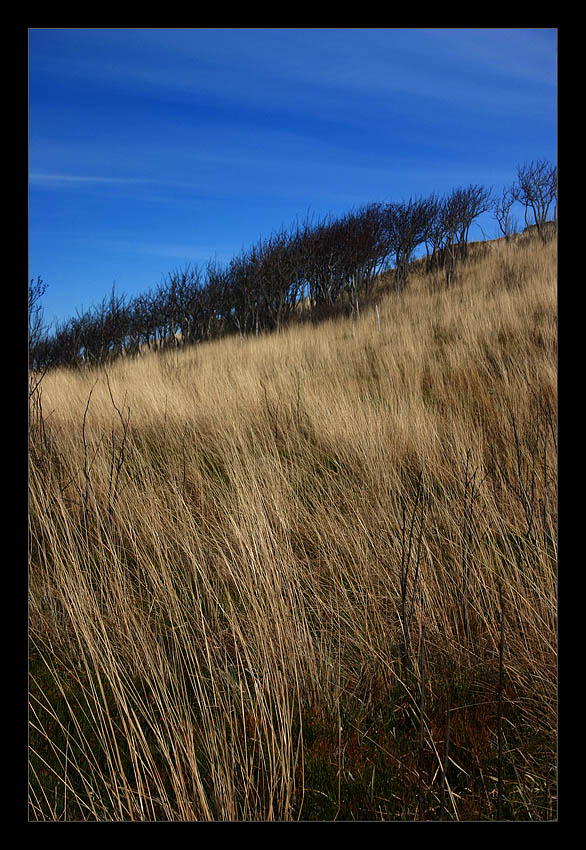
(309,575)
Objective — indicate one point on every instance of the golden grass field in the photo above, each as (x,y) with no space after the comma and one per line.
(308,575)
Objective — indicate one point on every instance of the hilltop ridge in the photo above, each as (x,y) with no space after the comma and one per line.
(309,575)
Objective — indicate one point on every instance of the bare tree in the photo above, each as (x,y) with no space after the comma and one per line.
(434,233)
(537,188)
(502,213)
(451,224)
(37,328)
(408,225)
(474,201)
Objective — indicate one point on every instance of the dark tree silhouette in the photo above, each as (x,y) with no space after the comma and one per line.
(314,270)
(37,328)
(503,206)
(537,189)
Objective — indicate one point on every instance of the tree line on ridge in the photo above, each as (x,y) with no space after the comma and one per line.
(305,272)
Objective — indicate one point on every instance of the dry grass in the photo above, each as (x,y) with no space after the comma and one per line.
(235,549)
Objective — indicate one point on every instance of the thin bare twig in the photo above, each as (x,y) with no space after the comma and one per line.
(421,722)
(500,711)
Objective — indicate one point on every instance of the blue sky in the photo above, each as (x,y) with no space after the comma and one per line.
(152,149)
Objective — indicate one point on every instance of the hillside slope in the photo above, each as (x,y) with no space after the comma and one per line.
(265,574)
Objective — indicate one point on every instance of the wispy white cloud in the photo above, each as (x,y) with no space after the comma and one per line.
(85,179)
(172,143)
(309,70)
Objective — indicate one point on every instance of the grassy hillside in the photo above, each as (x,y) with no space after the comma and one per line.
(309,575)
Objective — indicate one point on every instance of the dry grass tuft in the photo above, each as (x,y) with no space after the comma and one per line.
(236,549)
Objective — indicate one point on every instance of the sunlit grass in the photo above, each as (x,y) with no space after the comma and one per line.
(246,556)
